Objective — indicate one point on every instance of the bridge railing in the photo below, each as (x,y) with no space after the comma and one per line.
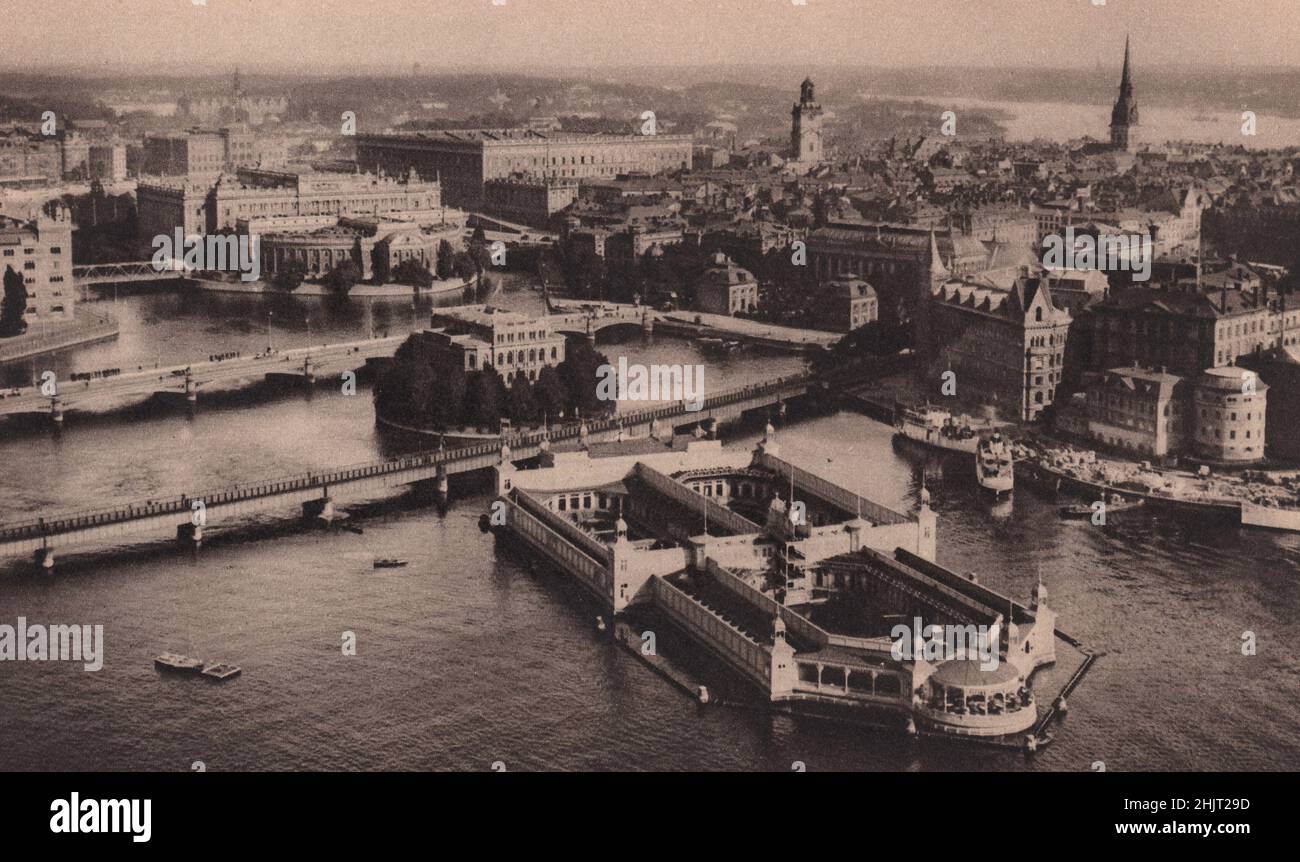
(63,523)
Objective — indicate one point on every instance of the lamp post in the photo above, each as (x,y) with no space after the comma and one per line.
(269,315)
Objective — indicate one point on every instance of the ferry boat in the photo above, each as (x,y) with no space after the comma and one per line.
(931,426)
(177,662)
(389,563)
(993,464)
(1271,516)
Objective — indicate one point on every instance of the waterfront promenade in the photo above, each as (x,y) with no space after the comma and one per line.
(88,328)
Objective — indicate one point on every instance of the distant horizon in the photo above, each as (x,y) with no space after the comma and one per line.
(338,37)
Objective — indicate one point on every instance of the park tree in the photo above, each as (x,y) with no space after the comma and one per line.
(521,403)
(446,403)
(342,278)
(550,393)
(445,267)
(578,372)
(485,398)
(412,272)
(289,277)
(14,304)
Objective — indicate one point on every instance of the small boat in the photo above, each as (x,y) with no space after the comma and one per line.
(1271,516)
(1115,504)
(717,346)
(389,563)
(179,663)
(221,671)
(993,464)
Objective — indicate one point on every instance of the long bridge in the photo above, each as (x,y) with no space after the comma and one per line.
(53,397)
(186,515)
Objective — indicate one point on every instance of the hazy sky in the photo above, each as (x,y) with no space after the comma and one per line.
(365,35)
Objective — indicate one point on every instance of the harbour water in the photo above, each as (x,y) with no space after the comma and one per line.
(465,657)
(1063,121)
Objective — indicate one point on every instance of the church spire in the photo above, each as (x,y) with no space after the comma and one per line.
(1126,80)
(1124,116)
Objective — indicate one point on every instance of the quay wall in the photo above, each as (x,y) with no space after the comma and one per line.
(739,650)
(591,574)
(589,545)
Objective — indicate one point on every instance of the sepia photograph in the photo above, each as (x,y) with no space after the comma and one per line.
(649,386)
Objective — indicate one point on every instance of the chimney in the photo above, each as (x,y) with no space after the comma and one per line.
(1223,299)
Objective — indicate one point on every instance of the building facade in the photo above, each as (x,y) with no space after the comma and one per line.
(376,245)
(1187,331)
(1006,346)
(195,154)
(512,343)
(725,288)
(41,252)
(466,159)
(1138,410)
(807,144)
(107,162)
(259,193)
(1228,407)
(529,200)
(845,304)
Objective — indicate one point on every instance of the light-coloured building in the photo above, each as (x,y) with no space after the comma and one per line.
(41,252)
(512,343)
(845,304)
(1138,410)
(807,143)
(1228,408)
(465,159)
(1007,346)
(725,288)
(1220,416)
(194,154)
(526,199)
(259,193)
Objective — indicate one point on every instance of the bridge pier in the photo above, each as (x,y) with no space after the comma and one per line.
(56,411)
(322,509)
(44,559)
(648,326)
(189,532)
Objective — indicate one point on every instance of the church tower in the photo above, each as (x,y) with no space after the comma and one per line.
(806,126)
(1124,116)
